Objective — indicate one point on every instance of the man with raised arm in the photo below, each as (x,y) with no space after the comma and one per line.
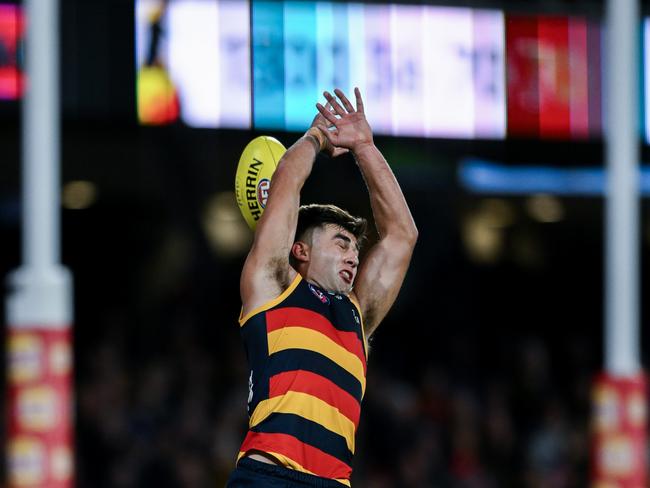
(309,306)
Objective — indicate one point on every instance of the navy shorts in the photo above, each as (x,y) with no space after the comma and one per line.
(255,474)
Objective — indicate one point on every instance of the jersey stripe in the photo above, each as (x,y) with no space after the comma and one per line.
(303,338)
(271,303)
(294,316)
(310,408)
(303,457)
(307,358)
(309,432)
(317,386)
(294,359)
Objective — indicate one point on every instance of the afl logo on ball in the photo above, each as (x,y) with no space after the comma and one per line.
(263,191)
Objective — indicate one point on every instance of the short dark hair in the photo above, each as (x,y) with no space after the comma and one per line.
(317,215)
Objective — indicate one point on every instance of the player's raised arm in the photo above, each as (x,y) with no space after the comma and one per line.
(383,269)
(266,272)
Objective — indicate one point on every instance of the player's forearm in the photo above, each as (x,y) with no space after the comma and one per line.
(296,164)
(390,210)
(281,212)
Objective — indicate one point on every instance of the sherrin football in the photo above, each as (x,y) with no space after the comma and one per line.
(253,179)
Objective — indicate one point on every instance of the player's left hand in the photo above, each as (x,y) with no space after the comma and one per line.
(320,122)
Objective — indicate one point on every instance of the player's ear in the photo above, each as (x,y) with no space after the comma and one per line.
(300,251)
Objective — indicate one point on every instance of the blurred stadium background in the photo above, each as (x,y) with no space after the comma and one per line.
(481,374)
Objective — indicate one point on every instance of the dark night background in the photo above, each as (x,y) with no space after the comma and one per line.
(479,377)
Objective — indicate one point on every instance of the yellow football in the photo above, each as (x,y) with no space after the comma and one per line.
(253,179)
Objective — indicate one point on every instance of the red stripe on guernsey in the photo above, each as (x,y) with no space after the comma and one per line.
(300,317)
(316,386)
(310,458)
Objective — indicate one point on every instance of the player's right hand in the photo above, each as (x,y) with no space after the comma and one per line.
(351,129)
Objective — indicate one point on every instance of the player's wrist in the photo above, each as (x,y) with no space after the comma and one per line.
(317,137)
(361,147)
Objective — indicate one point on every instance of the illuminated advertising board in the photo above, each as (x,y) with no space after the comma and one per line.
(424,71)
(11,33)
(646,77)
(553,77)
(193,62)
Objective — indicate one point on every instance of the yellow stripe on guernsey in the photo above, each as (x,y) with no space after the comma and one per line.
(311,340)
(307,407)
(270,303)
(287,461)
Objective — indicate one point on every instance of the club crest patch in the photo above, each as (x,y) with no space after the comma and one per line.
(319,294)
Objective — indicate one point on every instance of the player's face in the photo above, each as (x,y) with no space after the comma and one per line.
(334,258)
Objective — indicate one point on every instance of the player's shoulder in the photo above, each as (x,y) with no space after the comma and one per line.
(265,285)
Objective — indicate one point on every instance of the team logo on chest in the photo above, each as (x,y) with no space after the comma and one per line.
(319,294)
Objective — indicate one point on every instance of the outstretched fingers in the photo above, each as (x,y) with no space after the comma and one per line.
(331,118)
(320,119)
(328,106)
(357,95)
(335,104)
(346,103)
(338,109)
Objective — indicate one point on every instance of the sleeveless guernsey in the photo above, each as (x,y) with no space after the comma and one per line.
(307,355)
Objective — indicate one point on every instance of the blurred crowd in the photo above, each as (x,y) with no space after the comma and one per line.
(479,377)
(167,407)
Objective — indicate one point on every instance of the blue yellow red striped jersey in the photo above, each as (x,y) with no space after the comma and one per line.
(307,354)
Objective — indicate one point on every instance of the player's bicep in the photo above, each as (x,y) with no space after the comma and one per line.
(380,278)
(267,263)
